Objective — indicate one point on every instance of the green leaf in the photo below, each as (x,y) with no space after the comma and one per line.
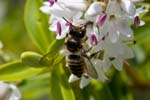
(37,24)
(56,46)
(36,87)
(14,71)
(60,88)
(65,85)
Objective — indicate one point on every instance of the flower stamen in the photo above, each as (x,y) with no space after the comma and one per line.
(93,39)
(101,19)
(52,2)
(59,28)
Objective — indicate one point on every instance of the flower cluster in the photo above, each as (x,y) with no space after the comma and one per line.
(107,27)
(9,91)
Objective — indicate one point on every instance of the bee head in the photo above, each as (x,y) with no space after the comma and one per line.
(78,31)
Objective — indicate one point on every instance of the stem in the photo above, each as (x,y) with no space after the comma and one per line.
(136,77)
(109,92)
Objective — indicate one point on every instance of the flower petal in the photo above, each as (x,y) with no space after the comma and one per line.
(73,78)
(15,95)
(113,32)
(84,82)
(104,29)
(142,23)
(124,28)
(4,90)
(45,8)
(94,9)
(128,7)
(58,9)
(9,92)
(141,10)
(79,5)
(99,69)
(113,7)
(106,63)
(118,63)
(127,52)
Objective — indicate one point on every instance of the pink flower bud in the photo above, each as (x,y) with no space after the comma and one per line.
(52,2)
(101,19)
(93,39)
(136,21)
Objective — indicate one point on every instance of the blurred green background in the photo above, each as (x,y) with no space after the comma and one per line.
(130,84)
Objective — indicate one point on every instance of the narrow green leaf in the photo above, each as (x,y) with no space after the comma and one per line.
(14,71)
(65,85)
(56,45)
(36,87)
(37,24)
(60,88)
(55,88)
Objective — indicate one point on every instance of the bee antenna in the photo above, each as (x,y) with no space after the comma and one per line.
(65,19)
(67,22)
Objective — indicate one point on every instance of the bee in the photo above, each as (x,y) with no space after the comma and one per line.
(78,60)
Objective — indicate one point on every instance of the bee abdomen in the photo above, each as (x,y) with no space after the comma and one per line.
(76,65)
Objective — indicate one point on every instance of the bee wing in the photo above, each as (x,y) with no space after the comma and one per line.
(51,58)
(90,68)
(47,58)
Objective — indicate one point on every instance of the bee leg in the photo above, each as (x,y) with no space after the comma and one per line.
(86,75)
(88,55)
(84,39)
(89,49)
(67,65)
(84,53)
(95,53)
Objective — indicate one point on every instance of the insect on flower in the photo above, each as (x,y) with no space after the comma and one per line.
(77,53)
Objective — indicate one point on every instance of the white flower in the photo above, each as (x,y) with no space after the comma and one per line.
(114,27)
(117,22)
(107,29)
(61,29)
(9,92)
(68,9)
(115,53)
(136,19)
